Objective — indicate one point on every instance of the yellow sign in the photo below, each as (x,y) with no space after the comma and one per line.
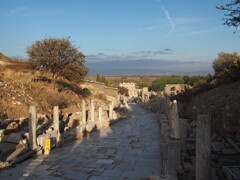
(47,144)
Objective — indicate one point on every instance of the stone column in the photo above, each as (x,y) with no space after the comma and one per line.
(175,121)
(83,111)
(56,122)
(100,114)
(203,148)
(173,153)
(32,128)
(92,110)
(111,110)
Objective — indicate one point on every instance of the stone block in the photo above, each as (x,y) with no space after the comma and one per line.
(41,139)
(12,138)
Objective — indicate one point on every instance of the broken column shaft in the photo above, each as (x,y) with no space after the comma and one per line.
(83,111)
(203,148)
(32,128)
(56,122)
(175,120)
(92,110)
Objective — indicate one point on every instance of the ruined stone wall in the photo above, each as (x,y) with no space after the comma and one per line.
(173,89)
(225,105)
(132,91)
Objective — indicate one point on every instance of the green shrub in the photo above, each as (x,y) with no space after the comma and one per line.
(143,85)
(86,91)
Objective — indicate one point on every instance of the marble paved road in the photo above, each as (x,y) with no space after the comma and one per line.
(129,149)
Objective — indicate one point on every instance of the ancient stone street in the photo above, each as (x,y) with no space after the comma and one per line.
(129,149)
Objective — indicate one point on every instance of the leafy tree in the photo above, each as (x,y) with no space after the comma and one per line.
(233,13)
(59,57)
(159,84)
(98,78)
(103,79)
(191,80)
(223,62)
(208,78)
(197,80)
(232,71)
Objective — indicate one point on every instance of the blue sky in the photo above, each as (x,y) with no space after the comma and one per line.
(123,36)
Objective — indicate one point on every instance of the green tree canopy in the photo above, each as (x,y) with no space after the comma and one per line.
(223,61)
(59,57)
(98,78)
(191,80)
(227,66)
(159,84)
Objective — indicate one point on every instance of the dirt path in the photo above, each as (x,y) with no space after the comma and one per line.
(130,149)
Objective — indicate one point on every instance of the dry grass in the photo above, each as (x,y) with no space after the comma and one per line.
(101,97)
(17,86)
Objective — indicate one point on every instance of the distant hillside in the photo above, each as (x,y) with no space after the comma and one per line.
(4,59)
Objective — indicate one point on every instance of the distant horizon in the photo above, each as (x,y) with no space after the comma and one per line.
(153,74)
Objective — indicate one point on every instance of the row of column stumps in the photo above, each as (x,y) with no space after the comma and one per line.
(33,120)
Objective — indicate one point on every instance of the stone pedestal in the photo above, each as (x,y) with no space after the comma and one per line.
(84,112)
(32,128)
(203,148)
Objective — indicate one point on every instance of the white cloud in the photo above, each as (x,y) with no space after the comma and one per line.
(25,11)
(16,10)
(130,56)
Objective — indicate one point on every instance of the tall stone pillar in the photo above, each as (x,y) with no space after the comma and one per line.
(32,128)
(100,114)
(56,122)
(111,110)
(92,110)
(203,148)
(173,153)
(83,111)
(175,121)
